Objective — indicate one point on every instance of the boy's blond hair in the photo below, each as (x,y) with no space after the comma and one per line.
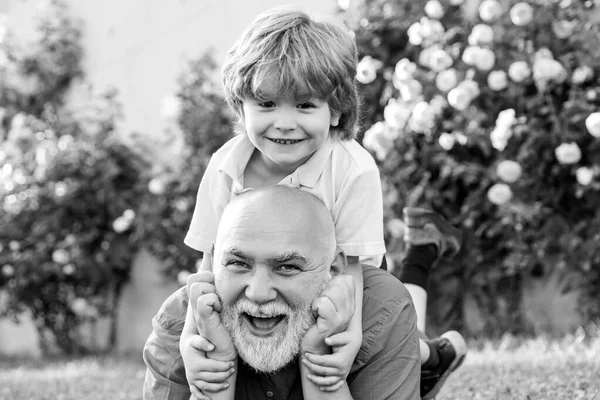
(290,53)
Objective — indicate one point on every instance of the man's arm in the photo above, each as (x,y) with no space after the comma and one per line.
(388,364)
(165,374)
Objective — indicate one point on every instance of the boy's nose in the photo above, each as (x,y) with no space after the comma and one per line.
(285,121)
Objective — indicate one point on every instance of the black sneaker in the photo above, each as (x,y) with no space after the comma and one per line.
(425,226)
(452,350)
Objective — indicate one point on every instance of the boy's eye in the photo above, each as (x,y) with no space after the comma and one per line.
(306,105)
(266,104)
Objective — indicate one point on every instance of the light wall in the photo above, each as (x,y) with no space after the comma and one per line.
(140,46)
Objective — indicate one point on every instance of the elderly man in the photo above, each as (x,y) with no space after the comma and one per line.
(274,264)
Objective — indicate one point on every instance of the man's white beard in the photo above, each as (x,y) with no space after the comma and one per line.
(273,352)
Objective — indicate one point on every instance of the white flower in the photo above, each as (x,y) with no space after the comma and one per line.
(171,108)
(61,189)
(182,277)
(129,214)
(366,70)
(519,71)
(156,186)
(548,70)
(343,4)
(509,171)
(396,228)
(422,118)
(377,139)
(457,2)
(432,30)
(460,98)
(497,80)
(69,269)
(582,74)
(8,270)
(447,141)
(425,54)
(446,80)
(61,256)
(563,29)
(592,123)
(414,34)
(543,52)
(64,142)
(396,114)
(438,103)
(490,10)
(470,55)
(404,70)
(410,91)
(584,175)
(13,245)
(434,9)
(568,153)
(121,224)
(481,34)
(499,194)
(440,60)
(79,306)
(470,86)
(485,59)
(521,14)
(503,130)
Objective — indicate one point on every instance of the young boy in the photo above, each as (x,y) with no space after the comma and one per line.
(290,80)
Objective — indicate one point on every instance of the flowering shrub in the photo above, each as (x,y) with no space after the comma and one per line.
(489,112)
(198,122)
(67,184)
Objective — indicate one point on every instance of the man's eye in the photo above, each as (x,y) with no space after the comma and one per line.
(288,269)
(237,265)
(266,104)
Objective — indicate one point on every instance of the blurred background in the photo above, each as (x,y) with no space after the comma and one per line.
(486,111)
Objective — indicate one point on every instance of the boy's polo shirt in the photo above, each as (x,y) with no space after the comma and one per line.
(341,173)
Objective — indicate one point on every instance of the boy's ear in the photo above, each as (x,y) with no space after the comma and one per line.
(340,263)
(335,120)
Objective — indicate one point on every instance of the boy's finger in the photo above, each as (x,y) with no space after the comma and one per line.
(200,343)
(201,276)
(323,380)
(319,369)
(325,360)
(198,289)
(333,388)
(212,377)
(324,308)
(198,395)
(339,339)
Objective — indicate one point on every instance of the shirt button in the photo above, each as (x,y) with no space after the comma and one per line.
(269,393)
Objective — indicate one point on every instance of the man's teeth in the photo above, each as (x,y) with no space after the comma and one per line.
(285,141)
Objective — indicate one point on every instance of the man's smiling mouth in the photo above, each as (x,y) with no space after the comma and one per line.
(285,141)
(264,324)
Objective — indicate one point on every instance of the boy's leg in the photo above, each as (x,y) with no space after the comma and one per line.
(428,237)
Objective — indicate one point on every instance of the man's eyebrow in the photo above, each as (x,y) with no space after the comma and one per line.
(290,256)
(236,253)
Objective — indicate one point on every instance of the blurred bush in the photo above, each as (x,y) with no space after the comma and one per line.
(197,122)
(488,112)
(69,186)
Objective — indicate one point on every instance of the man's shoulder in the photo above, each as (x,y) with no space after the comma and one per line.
(352,156)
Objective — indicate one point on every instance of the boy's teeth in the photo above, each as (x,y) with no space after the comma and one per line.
(284,141)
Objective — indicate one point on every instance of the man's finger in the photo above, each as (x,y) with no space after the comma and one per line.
(332,361)
(198,395)
(212,377)
(197,289)
(339,339)
(201,276)
(334,387)
(324,308)
(200,343)
(319,369)
(207,387)
(323,380)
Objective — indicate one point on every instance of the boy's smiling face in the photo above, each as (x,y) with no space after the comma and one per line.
(287,131)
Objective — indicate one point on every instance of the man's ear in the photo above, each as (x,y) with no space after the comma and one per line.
(340,263)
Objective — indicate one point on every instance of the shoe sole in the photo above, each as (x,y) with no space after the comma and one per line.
(460,347)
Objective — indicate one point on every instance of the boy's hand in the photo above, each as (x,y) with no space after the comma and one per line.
(204,374)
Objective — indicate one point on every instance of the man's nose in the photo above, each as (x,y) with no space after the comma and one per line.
(286,120)
(260,288)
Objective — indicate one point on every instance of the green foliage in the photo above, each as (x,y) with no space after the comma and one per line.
(509,152)
(69,186)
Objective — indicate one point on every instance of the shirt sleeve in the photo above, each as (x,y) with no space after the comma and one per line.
(213,194)
(388,365)
(358,215)
(165,373)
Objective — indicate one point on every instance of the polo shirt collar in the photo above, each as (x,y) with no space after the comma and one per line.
(308,174)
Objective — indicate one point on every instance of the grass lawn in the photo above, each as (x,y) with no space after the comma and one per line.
(532,370)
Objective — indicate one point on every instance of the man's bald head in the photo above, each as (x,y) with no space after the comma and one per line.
(282,206)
